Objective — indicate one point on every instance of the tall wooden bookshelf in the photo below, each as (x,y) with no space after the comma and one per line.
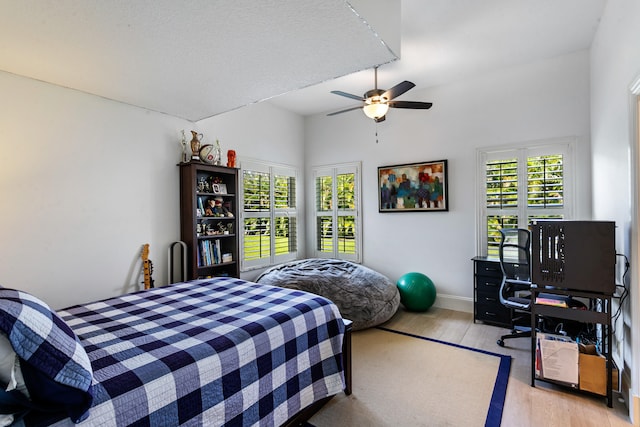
(209,219)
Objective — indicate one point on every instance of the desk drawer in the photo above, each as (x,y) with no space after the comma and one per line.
(488,299)
(487,311)
(488,284)
(488,268)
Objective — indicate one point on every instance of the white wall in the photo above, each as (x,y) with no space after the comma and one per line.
(262,132)
(85,182)
(258,131)
(615,64)
(544,100)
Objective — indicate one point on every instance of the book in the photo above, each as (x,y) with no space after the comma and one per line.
(551,301)
(217,252)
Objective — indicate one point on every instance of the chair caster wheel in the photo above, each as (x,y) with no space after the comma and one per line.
(500,342)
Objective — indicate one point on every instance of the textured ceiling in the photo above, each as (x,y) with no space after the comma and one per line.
(198,58)
(190,58)
(444,41)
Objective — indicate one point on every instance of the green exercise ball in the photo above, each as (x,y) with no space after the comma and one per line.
(417,291)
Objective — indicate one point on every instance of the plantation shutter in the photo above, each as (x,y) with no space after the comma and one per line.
(501,199)
(269,215)
(284,215)
(522,185)
(324,213)
(545,183)
(337,209)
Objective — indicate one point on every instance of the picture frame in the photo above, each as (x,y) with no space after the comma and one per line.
(413,187)
(220,188)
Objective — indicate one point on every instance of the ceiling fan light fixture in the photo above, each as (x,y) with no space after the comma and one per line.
(376,102)
(375,110)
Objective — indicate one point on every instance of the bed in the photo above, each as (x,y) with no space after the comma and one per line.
(220,351)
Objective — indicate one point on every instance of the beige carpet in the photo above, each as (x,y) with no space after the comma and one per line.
(401,380)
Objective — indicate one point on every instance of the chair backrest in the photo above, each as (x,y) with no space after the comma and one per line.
(515,263)
(515,254)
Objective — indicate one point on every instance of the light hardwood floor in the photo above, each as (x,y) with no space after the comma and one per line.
(543,405)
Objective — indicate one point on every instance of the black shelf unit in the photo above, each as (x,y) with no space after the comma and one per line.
(598,312)
(575,259)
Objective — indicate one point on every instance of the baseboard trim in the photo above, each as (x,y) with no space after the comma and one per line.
(453,302)
(635,416)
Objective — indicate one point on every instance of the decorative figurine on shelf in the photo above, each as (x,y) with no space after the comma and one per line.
(220,209)
(231,159)
(217,154)
(208,211)
(227,209)
(216,208)
(222,228)
(214,180)
(183,144)
(195,145)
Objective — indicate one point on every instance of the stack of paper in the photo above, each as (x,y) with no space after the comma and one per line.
(557,358)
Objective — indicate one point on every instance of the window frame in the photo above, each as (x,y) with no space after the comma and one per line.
(522,152)
(334,170)
(272,169)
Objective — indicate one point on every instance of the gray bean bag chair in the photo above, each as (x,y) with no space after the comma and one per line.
(362,295)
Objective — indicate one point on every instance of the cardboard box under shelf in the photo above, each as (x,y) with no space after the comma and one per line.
(593,374)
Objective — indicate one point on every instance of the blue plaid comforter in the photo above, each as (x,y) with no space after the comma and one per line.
(207,353)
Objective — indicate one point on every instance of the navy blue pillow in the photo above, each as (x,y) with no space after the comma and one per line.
(55,366)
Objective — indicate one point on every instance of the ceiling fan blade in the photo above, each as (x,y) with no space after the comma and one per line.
(348,95)
(398,90)
(410,104)
(344,111)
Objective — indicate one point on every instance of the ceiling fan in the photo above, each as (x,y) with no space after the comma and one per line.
(376,102)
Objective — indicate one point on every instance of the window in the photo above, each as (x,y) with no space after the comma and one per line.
(269,215)
(337,212)
(520,185)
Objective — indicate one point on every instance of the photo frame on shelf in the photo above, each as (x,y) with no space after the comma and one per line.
(219,189)
(413,187)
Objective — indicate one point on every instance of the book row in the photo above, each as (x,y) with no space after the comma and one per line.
(209,252)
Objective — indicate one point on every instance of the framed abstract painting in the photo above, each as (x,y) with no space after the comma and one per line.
(413,187)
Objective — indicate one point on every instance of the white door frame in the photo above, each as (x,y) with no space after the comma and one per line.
(634,143)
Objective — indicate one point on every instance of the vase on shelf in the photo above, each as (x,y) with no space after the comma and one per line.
(195,145)
(231,159)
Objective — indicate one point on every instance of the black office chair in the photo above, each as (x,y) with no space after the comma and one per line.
(515,262)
